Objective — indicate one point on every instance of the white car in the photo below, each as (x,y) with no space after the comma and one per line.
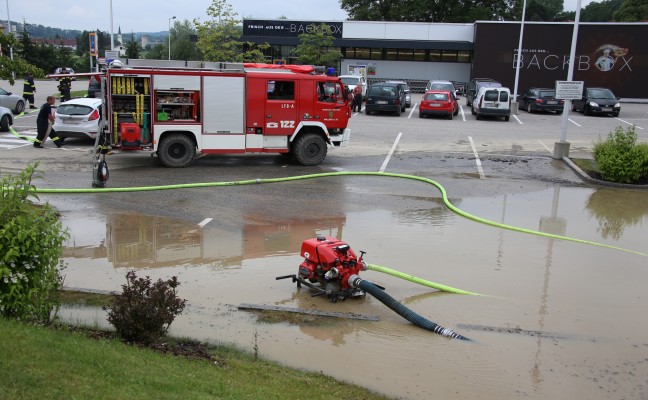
(351,81)
(492,102)
(78,118)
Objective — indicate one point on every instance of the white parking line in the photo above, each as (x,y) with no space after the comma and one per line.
(629,123)
(384,164)
(205,222)
(545,146)
(518,120)
(463,116)
(573,122)
(477,160)
(412,111)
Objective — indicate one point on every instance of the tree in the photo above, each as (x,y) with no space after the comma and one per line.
(132,47)
(315,46)
(182,46)
(632,11)
(428,11)
(18,66)
(543,10)
(157,52)
(218,38)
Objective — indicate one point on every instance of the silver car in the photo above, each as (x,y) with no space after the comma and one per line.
(6,119)
(12,101)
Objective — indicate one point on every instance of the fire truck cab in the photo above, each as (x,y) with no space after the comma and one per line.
(180,112)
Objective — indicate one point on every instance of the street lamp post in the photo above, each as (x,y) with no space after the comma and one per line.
(170,35)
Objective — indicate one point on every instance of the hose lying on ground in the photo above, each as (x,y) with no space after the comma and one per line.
(444,196)
(411,316)
(420,281)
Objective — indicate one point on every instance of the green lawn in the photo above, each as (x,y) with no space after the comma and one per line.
(48,363)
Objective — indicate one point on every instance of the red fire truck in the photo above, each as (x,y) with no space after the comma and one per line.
(178,112)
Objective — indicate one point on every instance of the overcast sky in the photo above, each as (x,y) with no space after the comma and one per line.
(153,15)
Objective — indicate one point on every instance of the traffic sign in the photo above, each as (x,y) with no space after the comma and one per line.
(94,49)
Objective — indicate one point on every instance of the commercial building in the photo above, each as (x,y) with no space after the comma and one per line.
(612,55)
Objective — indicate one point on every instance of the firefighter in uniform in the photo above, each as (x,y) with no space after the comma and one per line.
(357,98)
(29,88)
(65,85)
(44,125)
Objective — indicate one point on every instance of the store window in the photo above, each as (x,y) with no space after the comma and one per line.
(463,56)
(435,55)
(405,55)
(449,56)
(419,55)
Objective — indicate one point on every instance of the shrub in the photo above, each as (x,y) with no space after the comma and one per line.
(31,239)
(619,157)
(144,311)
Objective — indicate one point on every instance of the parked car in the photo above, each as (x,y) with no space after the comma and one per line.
(67,70)
(94,86)
(442,85)
(445,85)
(475,84)
(597,101)
(6,119)
(12,101)
(492,102)
(437,102)
(351,81)
(385,96)
(540,99)
(408,96)
(78,118)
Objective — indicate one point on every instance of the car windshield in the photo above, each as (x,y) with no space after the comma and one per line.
(547,93)
(442,86)
(73,109)
(601,94)
(382,91)
(350,80)
(436,96)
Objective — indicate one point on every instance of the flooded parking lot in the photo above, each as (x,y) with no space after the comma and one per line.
(557,319)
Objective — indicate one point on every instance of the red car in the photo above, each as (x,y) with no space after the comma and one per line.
(438,102)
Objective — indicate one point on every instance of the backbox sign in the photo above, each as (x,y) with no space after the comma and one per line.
(287,28)
(607,55)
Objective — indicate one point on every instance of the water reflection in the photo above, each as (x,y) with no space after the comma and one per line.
(144,241)
(617,209)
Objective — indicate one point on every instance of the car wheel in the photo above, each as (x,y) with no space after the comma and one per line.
(528,108)
(450,115)
(478,116)
(456,112)
(420,115)
(398,112)
(559,112)
(309,149)
(573,106)
(507,118)
(615,115)
(176,150)
(4,123)
(20,107)
(467,102)
(472,111)
(586,110)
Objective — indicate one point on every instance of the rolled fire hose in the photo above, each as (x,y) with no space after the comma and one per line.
(422,322)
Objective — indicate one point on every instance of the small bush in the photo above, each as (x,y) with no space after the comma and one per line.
(144,311)
(31,239)
(619,157)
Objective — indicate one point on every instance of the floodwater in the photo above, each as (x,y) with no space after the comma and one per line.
(557,319)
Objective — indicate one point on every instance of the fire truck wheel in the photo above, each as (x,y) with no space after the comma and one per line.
(309,149)
(176,151)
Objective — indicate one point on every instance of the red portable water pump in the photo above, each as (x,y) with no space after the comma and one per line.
(328,264)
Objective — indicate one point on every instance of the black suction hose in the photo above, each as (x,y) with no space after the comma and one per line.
(411,316)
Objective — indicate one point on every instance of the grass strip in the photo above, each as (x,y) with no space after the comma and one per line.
(47,363)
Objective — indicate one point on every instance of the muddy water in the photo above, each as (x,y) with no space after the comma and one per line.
(558,319)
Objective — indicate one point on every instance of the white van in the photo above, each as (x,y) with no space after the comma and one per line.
(351,81)
(493,102)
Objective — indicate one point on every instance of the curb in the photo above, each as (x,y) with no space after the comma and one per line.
(589,179)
